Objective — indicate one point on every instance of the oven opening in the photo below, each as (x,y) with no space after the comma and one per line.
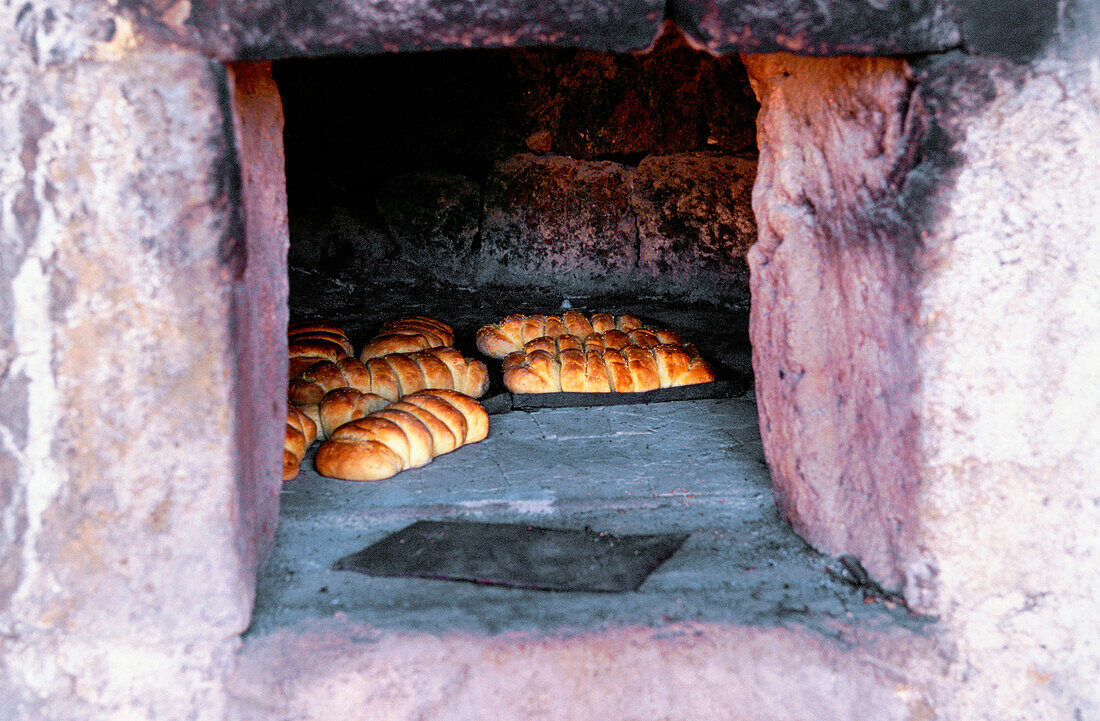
(471,185)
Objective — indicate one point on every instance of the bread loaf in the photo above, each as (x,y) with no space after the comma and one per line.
(389,377)
(344,405)
(406,434)
(614,339)
(408,334)
(312,341)
(629,369)
(301,431)
(510,335)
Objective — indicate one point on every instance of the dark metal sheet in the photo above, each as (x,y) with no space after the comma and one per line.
(716,389)
(517,555)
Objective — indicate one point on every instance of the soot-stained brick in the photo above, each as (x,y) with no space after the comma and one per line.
(556,220)
(819,28)
(695,222)
(433,217)
(1018,30)
(272,29)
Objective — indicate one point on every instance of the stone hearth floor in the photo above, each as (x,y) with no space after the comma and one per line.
(744,613)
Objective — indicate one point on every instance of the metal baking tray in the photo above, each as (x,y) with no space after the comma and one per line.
(729,385)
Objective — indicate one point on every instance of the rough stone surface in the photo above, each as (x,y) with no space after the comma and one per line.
(975,492)
(1008,549)
(686,671)
(461,112)
(731,108)
(259,307)
(695,221)
(833,27)
(743,592)
(123,540)
(434,219)
(249,30)
(125,555)
(452,114)
(632,104)
(554,221)
(833,304)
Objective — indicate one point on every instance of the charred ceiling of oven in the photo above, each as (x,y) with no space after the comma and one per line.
(574,171)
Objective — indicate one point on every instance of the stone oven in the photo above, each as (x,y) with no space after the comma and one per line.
(919,302)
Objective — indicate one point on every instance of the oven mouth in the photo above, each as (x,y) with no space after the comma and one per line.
(411,214)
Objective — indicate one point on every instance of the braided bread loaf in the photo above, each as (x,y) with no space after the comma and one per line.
(312,341)
(344,405)
(406,434)
(301,431)
(629,369)
(509,336)
(391,377)
(613,339)
(408,334)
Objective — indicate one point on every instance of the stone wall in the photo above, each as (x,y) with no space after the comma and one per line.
(578,172)
(128,532)
(923,307)
(132,529)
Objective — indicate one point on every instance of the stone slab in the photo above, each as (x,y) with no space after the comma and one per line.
(234,30)
(259,306)
(631,104)
(833,27)
(832,286)
(742,583)
(125,488)
(975,492)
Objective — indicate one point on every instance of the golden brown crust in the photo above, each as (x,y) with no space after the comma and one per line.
(291,466)
(477,420)
(408,334)
(356,460)
(446,412)
(310,326)
(596,377)
(304,423)
(312,341)
(444,439)
(416,433)
(577,324)
(515,332)
(468,375)
(300,434)
(572,371)
(406,435)
(596,370)
(430,327)
(394,343)
(344,405)
(383,379)
(305,353)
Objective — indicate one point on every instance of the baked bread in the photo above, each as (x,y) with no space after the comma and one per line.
(301,431)
(508,336)
(614,339)
(391,377)
(344,405)
(626,370)
(312,341)
(406,434)
(408,334)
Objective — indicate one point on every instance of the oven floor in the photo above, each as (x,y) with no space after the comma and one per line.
(743,579)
